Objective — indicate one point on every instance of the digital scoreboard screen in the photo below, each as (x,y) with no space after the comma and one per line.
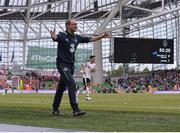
(142,50)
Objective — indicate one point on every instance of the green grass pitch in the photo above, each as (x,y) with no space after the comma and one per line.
(106,112)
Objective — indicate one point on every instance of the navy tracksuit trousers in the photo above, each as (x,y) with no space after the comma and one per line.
(66,81)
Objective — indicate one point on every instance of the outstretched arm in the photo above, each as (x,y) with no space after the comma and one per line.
(99,37)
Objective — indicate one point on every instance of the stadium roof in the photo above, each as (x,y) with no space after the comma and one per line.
(80,9)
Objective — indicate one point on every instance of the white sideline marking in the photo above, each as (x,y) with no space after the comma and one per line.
(21,128)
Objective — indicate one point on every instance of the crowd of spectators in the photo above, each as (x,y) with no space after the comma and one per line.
(162,80)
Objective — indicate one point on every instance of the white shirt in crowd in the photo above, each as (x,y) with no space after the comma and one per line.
(9,82)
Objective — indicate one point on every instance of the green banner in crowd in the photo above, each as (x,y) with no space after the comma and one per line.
(45,58)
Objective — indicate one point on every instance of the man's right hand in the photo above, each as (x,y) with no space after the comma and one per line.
(53,34)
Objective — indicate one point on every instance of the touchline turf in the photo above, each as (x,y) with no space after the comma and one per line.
(106,112)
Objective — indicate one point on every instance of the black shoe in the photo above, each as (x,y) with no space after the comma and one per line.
(78,113)
(57,112)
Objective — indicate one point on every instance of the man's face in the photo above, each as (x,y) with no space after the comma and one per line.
(92,60)
(72,26)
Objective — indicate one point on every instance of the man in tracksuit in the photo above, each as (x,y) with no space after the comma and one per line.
(67,44)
